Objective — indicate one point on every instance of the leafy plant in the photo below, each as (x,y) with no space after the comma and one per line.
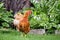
(46,14)
(5,17)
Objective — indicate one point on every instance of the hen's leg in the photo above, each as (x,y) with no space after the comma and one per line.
(18,28)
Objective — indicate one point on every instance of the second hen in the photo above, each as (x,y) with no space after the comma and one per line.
(18,17)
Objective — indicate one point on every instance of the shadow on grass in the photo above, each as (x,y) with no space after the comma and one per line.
(10,32)
(4,31)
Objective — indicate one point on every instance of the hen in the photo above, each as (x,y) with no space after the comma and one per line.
(18,17)
(23,23)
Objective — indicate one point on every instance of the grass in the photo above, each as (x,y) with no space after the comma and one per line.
(14,35)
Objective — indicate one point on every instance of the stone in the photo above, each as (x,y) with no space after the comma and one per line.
(37,31)
(57,31)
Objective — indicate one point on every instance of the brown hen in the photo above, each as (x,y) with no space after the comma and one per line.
(24,25)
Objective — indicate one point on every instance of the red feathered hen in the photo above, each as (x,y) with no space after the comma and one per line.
(24,24)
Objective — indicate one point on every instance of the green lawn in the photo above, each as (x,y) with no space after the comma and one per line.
(14,35)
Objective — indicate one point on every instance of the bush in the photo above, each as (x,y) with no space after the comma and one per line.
(5,17)
(46,14)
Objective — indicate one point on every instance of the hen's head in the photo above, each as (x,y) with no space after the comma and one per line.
(18,16)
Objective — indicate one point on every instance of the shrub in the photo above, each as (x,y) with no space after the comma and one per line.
(5,17)
(46,14)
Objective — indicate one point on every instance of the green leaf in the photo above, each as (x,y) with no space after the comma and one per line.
(1,5)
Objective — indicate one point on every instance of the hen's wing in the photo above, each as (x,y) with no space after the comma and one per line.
(25,26)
